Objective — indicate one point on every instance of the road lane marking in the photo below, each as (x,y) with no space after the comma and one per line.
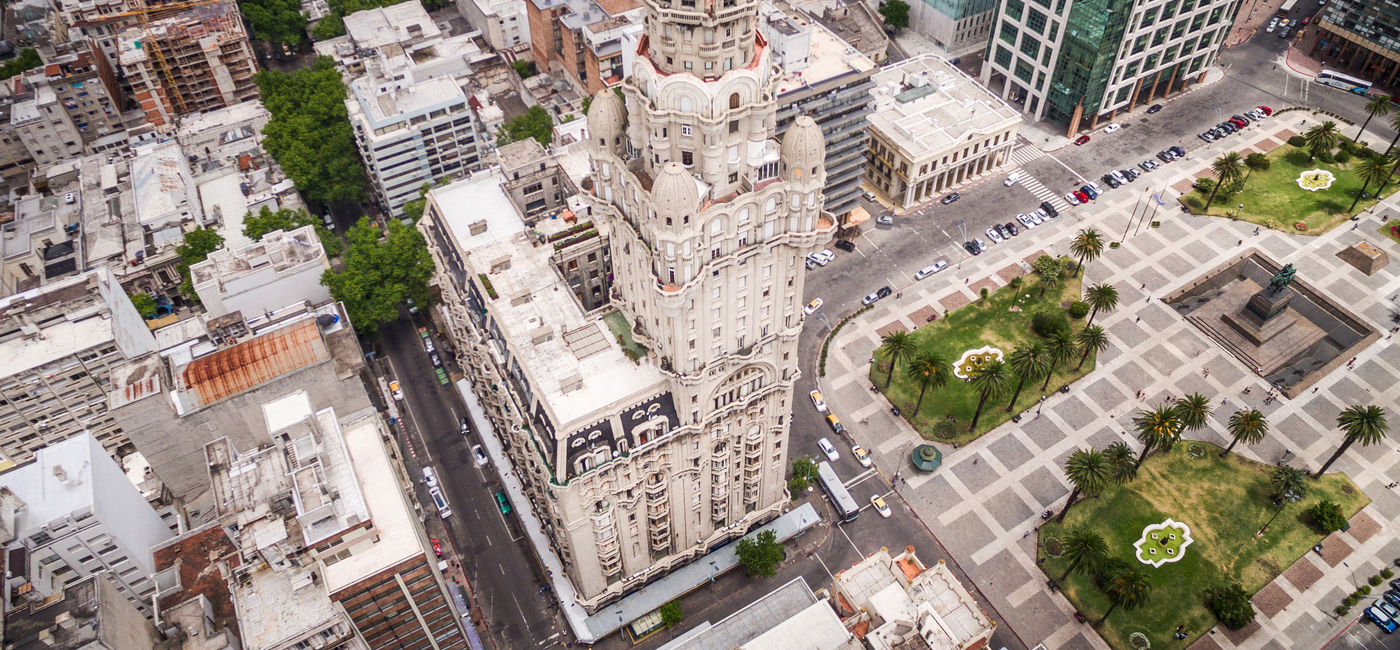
(824,568)
(848,538)
(408,415)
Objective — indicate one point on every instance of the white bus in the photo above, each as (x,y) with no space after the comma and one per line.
(1286,8)
(1345,82)
(846,506)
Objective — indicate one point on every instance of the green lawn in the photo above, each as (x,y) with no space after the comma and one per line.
(1224,501)
(617,324)
(1273,199)
(1385,230)
(983,322)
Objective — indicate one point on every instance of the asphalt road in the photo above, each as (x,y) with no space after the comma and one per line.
(497,561)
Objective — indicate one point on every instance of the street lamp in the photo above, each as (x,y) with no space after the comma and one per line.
(1288,497)
(1239,210)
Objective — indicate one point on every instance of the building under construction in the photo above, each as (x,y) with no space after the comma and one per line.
(186,61)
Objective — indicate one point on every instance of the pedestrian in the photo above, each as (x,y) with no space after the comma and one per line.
(1239,242)
(1256,230)
(1149,299)
(1224,400)
(1037,415)
(1206,372)
(1314,389)
(1027,534)
(1139,320)
(1247,389)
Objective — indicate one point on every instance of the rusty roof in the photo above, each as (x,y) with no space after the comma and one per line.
(229,372)
(199,555)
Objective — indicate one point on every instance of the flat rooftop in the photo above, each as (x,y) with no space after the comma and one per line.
(280,250)
(790,616)
(162,182)
(398,105)
(392,25)
(575,364)
(928,107)
(829,57)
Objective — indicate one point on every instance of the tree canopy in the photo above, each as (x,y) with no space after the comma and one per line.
(198,245)
(330,26)
(276,21)
(144,304)
(379,273)
(28,59)
(896,13)
(266,221)
(535,123)
(1230,604)
(309,134)
(760,554)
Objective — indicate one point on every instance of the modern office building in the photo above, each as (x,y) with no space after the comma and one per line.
(75,515)
(956,27)
(583,40)
(652,434)
(63,344)
(827,80)
(934,129)
(1078,62)
(1361,38)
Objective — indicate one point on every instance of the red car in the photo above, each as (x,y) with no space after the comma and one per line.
(1081,139)
(1083,198)
(1266,109)
(437,548)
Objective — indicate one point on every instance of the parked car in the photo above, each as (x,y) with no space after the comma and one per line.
(1272,25)
(1180,153)
(971,248)
(845,245)
(430,477)
(1112,128)
(824,256)
(395,390)
(875,297)
(980,244)
(1081,139)
(1266,109)
(1205,135)
(1035,217)
(1241,118)
(440,502)
(437,547)
(1025,221)
(1011,228)
(480,455)
(1011,179)
(1001,230)
(1154,108)
(1165,156)
(437,361)
(885,220)
(993,235)
(501,503)
(1049,209)
(466,426)
(880,506)
(817,401)
(827,448)
(1285,33)
(930,270)
(951,197)
(1392,596)
(835,423)
(868,195)
(1090,190)
(1071,198)
(1384,621)
(1083,198)
(862,456)
(813,306)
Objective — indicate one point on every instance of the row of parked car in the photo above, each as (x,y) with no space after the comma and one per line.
(1384,612)
(1235,123)
(1002,232)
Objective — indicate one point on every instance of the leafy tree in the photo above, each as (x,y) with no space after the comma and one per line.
(1101,296)
(144,304)
(1027,362)
(1248,425)
(1227,169)
(266,221)
(1327,516)
(1285,479)
(1230,604)
(330,26)
(803,467)
(524,68)
(587,101)
(896,13)
(28,59)
(1157,428)
(760,554)
(1256,162)
(1061,348)
(1127,588)
(1090,472)
(535,123)
(927,370)
(671,613)
(276,21)
(1321,138)
(1091,339)
(413,210)
(379,274)
(990,378)
(198,244)
(1084,552)
(1121,457)
(1363,424)
(1046,264)
(309,134)
(1087,245)
(1379,106)
(896,346)
(1372,170)
(1192,411)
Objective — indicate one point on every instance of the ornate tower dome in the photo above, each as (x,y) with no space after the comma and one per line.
(804,149)
(674,192)
(605,118)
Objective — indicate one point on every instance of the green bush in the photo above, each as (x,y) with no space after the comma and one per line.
(1297,141)
(1364,590)
(1079,309)
(1342,157)
(1047,323)
(1326,156)
(1205,185)
(1349,600)
(1375,580)
(797,488)
(1387,574)
(1231,605)
(671,613)
(1327,516)
(1342,610)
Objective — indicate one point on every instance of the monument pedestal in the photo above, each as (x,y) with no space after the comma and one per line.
(1260,320)
(1262,330)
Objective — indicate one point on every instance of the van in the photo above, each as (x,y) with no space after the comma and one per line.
(835,423)
(440,502)
(1011,179)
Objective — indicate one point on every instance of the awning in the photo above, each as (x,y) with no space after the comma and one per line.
(857,216)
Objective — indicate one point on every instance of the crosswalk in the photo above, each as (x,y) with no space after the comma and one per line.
(1043,193)
(1025,153)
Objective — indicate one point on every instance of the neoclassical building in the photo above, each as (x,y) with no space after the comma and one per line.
(654,428)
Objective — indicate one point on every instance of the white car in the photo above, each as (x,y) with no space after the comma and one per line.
(930,269)
(479,455)
(1026,221)
(395,390)
(880,506)
(1272,24)
(1071,198)
(817,401)
(440,502)
(994,235)
(885,220)
(861,455)
(1095,187)
(813,306)
(829,450)
(429,477)
(1035,216)
(1111,128)
(1011,179)
(823,256)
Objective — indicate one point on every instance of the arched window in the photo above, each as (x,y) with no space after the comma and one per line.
(734,100)
(716,227)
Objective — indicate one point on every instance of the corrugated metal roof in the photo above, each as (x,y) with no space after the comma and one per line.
(246,365)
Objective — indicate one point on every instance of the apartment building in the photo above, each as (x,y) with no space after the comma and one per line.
(583,40)
(189,61)
(39,242)
(280,269)
(91,614)
(76,515)
(934,129)
(78,88)
(651,435)
(903,603)
(503,23)
(1078,62)
(64,344)
(15,160)
(1362,39)
(828,80)
(537,185)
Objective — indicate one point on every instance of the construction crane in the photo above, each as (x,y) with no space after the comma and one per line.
(143,13)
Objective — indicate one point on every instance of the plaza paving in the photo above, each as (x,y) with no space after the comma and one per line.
(984,502)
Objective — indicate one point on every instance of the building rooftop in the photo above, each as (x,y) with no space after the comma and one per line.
(926,106)
(828,58)
(900,591)
(576,365)
(58,482)
(163,184)
(91,613)
(199,559)
(244,366)
(64,317)
(520,154)
(399,104)
(280,250)
(790,616)
(399,24)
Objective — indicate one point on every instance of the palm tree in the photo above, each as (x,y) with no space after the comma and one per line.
(1090,472)
(1192,411)
(1363,424)
(1061,349)
(927,370)
(1128,589)
(1051,278)
(1255,162)
(1084,551)
(1380,105)
(896,346)
(1374,169)
(1247,425)
(1393,159)
(1285,479)
(1027,362)
(1087,246)
(1100,296)
(1394,124)
(1091,339)
(1120,456)
(1157,428)
(1321,137)
(1226,169)
(990,378)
